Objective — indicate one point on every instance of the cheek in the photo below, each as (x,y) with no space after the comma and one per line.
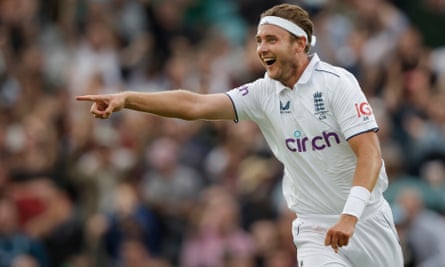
(258,54)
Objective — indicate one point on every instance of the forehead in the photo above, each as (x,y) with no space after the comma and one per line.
(269,29)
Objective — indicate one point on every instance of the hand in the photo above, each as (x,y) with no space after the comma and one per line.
(339,234)
(104,105)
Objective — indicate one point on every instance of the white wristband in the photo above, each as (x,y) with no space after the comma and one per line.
(357,200)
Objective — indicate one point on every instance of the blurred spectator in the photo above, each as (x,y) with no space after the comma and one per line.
(129,224)
(95,66)
(47,213)
(101,166)
(266,239)
(52,50)
(391,149)
(280,258)
(170,188)
(256,182)
(237,142)
(217,232)
(432,199)
(169,185)
(4,178)
(133,254)
(25,261)
(383,25)
(432,170)
(135,42)
(15,244)
(419,230)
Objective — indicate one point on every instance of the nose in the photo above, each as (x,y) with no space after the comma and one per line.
(261,47)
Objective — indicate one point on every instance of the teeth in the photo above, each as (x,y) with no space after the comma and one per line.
(269,61)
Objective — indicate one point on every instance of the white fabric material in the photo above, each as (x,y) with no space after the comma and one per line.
(374,242)
(289,26)
(357,200)
(307,130)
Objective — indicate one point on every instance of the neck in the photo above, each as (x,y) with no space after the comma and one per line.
(299,71)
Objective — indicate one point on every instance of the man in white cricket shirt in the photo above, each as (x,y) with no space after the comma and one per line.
(319,124)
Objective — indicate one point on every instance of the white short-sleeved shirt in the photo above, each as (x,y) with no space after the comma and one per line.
(307,129)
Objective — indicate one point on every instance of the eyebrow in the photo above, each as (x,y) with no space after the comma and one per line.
(266,36)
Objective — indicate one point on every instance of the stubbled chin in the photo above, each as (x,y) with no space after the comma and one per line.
(271,73)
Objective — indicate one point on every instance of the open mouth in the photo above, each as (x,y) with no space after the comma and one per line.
(269,61)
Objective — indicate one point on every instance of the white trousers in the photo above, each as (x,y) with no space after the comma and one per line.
(375,242)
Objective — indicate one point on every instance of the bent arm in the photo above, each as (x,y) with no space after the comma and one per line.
(369,159)
(180,104)
(369,162)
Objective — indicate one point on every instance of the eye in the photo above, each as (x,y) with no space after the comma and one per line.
(271,40)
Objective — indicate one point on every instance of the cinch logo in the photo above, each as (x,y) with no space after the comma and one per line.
(319,142)
(284,108)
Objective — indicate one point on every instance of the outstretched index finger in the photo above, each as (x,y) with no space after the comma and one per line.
(87,98)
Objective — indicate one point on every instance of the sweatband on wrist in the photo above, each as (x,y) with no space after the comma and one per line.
(288,26)
(357,200)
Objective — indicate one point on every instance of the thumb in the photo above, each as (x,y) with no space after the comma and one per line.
(109,109)
(328,238)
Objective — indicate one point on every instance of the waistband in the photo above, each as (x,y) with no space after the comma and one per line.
(329,219)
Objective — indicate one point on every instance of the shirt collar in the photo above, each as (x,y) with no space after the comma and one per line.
(305,76)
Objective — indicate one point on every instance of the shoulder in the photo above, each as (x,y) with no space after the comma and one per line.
(257,87)
(335,74)
(263,83)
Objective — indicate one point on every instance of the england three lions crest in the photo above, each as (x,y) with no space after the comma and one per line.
(319,106)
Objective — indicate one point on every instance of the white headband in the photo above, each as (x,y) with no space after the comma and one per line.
(287,25)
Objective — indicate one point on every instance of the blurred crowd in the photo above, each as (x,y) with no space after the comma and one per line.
(140,190)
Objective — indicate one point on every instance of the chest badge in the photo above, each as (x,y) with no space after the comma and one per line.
(319,106)
(285,107)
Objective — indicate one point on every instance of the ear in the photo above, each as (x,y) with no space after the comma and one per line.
(300,44)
